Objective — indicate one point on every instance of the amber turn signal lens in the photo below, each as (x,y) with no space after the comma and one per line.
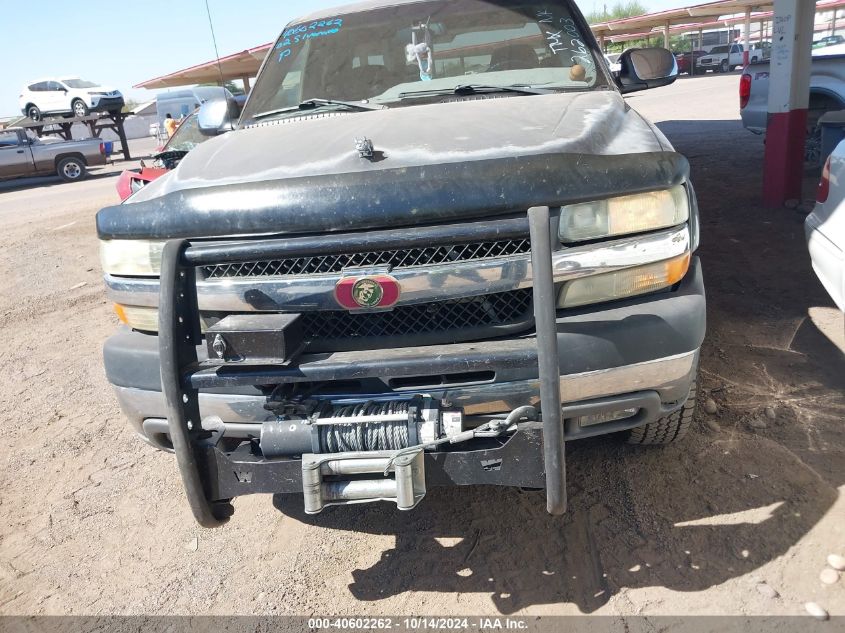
(137,317)
(628,282)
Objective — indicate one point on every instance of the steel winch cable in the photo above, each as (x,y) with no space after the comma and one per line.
(493,427)
(365,436)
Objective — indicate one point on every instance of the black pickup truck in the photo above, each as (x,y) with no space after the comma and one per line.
(436,246)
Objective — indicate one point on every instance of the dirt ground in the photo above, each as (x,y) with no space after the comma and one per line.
(93,521)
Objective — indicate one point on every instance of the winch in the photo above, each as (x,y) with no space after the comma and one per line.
(341,440)
(356,424)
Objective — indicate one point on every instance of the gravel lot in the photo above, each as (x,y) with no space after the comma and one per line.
(93,521)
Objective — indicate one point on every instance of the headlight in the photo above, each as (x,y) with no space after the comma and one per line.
(139,258)
(627,282)
(624,214)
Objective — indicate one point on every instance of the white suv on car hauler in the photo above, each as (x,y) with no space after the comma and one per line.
(70,95)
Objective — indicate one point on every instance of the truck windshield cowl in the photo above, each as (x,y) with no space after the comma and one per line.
(384,55)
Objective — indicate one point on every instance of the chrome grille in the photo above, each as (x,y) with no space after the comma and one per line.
(468,313)
(335,263)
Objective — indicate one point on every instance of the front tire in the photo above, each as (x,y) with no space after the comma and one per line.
(34,112)
(79,108)
(71,169)
(669,428)
(724,67)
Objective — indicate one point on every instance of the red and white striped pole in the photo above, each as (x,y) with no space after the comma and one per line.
(789,95)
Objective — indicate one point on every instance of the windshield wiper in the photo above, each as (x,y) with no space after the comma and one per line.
(473,89)
(312,104)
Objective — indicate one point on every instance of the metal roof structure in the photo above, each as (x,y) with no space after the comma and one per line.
(706,12)
(623,36)
(693,18)
(243,65)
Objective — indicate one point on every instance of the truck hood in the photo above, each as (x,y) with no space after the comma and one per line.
(589,123)
(470,138)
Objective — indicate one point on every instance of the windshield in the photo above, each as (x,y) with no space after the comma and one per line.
(387,55)
(719,49)
(186,137)
(79,83)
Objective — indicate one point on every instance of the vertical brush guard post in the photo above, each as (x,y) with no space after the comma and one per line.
(547,360)
(179,334)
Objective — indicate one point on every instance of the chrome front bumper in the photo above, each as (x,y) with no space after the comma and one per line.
(670,377)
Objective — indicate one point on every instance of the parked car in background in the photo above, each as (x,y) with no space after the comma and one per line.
(687,59)
(22,154)
(830,40)
(760,51)
(184,139)
(825,227)
(727,57)
(68,96)
(181,103)
(827,94)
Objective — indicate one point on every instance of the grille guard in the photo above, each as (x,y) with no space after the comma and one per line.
(179,334)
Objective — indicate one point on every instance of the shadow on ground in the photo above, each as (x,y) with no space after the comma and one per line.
(740,491)
(43,182)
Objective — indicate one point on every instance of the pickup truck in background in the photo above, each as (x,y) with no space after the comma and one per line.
(827,94)
(22,154)
(437,245)
(727,57)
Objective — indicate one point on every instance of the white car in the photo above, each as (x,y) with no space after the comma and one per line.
(67,96)
(825,227)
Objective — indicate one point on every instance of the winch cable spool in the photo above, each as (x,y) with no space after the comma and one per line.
(392,426)
(364,436)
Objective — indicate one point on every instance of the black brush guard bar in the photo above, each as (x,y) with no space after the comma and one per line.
(179,334)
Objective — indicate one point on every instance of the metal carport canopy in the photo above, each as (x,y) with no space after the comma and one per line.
(695,13)
(620,36)
(241,65)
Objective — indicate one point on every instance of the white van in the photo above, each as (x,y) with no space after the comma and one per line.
(180,103)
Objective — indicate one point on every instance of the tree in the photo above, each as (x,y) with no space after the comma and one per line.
(622,9)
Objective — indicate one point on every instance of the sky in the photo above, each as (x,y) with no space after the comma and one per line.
(134,42)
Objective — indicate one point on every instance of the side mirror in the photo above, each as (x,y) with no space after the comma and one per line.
(217,116)
(644,68)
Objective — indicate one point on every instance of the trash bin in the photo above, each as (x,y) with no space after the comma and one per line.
(832,126)
(109,145)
